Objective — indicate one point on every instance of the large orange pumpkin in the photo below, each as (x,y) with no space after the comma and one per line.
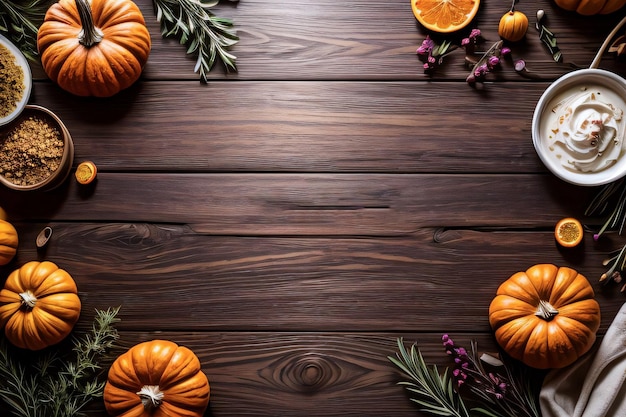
(95,48)
(546,317)
(8,242)
(591,7)
(39,305)
(157,379)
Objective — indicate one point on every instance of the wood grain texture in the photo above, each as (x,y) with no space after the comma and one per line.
(307,204)
(305,127)
(372,40)
(367,40)
(290,221)
(208,283)
(304,374)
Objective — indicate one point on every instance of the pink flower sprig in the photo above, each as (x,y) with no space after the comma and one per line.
(433,54)
(504,395)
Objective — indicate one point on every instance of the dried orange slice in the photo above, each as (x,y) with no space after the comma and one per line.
(86,172)
(568,232)
(444,15)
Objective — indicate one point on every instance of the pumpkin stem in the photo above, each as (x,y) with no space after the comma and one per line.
(90,34)
(28,299)
(151,396)
(546,311)
(512,6)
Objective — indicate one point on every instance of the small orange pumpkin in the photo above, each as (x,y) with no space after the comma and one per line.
(39,305)
(513,26)
(546,317)
(8,242)
(95,48)
(591,7)
(157,378)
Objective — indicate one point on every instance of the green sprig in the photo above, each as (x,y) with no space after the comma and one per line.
(52,384)
(430,389)
(548,38)
(204,34)
(20,21)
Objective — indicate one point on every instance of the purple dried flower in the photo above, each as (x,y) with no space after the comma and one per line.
(481,71)
(493,61)
(426,47)
(505,50)
(520,65)
(475,33)
(465,41)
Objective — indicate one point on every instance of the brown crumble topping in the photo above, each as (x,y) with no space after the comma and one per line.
(31,151)
(11,82)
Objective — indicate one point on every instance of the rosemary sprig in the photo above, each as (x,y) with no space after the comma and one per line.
(53,384)
(20,21)
(204,34)
(494,387)
(432,390)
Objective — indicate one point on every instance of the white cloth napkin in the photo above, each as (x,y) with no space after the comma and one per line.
(594,385)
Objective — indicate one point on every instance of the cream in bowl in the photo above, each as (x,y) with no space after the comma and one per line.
(579,127)
(15,81)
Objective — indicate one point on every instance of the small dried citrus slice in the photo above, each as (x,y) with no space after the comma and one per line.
(86,172)
(444,15)
(568,232)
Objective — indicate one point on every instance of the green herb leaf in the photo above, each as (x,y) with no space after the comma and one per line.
(204,34)
(435,392)
(51,383)
(20,21)
(548,38)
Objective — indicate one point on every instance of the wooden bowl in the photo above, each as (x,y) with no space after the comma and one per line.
(22,63)
(58,176)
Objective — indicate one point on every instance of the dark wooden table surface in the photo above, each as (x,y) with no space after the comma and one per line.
(290,221)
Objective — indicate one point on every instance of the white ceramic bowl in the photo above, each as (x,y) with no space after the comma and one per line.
(541,125)
(28,80)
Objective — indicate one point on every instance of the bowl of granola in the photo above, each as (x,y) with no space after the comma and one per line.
(15,81)
(36,151)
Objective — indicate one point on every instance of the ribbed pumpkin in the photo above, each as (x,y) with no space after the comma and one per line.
(513,26)
(39,305)
(591,7)
(546,317)
(95,49)
(154,379)
(8,242)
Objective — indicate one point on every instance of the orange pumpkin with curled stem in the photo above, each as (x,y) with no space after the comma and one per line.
(156,378)
(546,316)
(39,305)
(93,48)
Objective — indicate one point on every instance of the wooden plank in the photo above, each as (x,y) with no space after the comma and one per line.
(296,374)
(304,127)
(311,204)
(200,283)
(367,39)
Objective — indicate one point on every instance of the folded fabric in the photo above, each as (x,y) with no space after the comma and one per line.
(594,386)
